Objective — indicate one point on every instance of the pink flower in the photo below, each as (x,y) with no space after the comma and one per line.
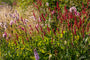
(47,4)
(15,21)
(37,26)
(5,34)
(48,29)
(73,9)
(36,54)
(11,22)
(19,26)
(39,19)
(22,28)
(52,12)
(9,35)
(77,14)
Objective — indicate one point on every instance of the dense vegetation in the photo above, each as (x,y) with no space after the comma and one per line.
(62,31)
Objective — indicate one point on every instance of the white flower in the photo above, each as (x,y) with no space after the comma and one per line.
(39,20)
(0,24)
(5,25)
(5,34)
(33,17)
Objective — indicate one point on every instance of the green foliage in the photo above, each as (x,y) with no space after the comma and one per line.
(10,2)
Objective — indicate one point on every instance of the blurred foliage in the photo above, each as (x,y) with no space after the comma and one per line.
(10,2)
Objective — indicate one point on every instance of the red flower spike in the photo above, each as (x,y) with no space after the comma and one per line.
(43,17)
(36,6)
(25,30)
(49,9)
(17,37)
(58,30)
(29,25)
(75,21)
(83,31)
(57,5)
(48,29)
(31,28)
(74,30)
(34,15)
(30,32)
(41,28)
(21,19)
(62,31)
(15,43)
(37,29)
(87,4)
(88,25)
(42,36)
(71,27)
(84,11)
(54,32)
(46,15)
(27,39)
(23,41)
(80,22)
(68,25)
(71,43)
(44,33)
(83,19)
(40,3)
(65,9)
(52,40)
(83,6)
